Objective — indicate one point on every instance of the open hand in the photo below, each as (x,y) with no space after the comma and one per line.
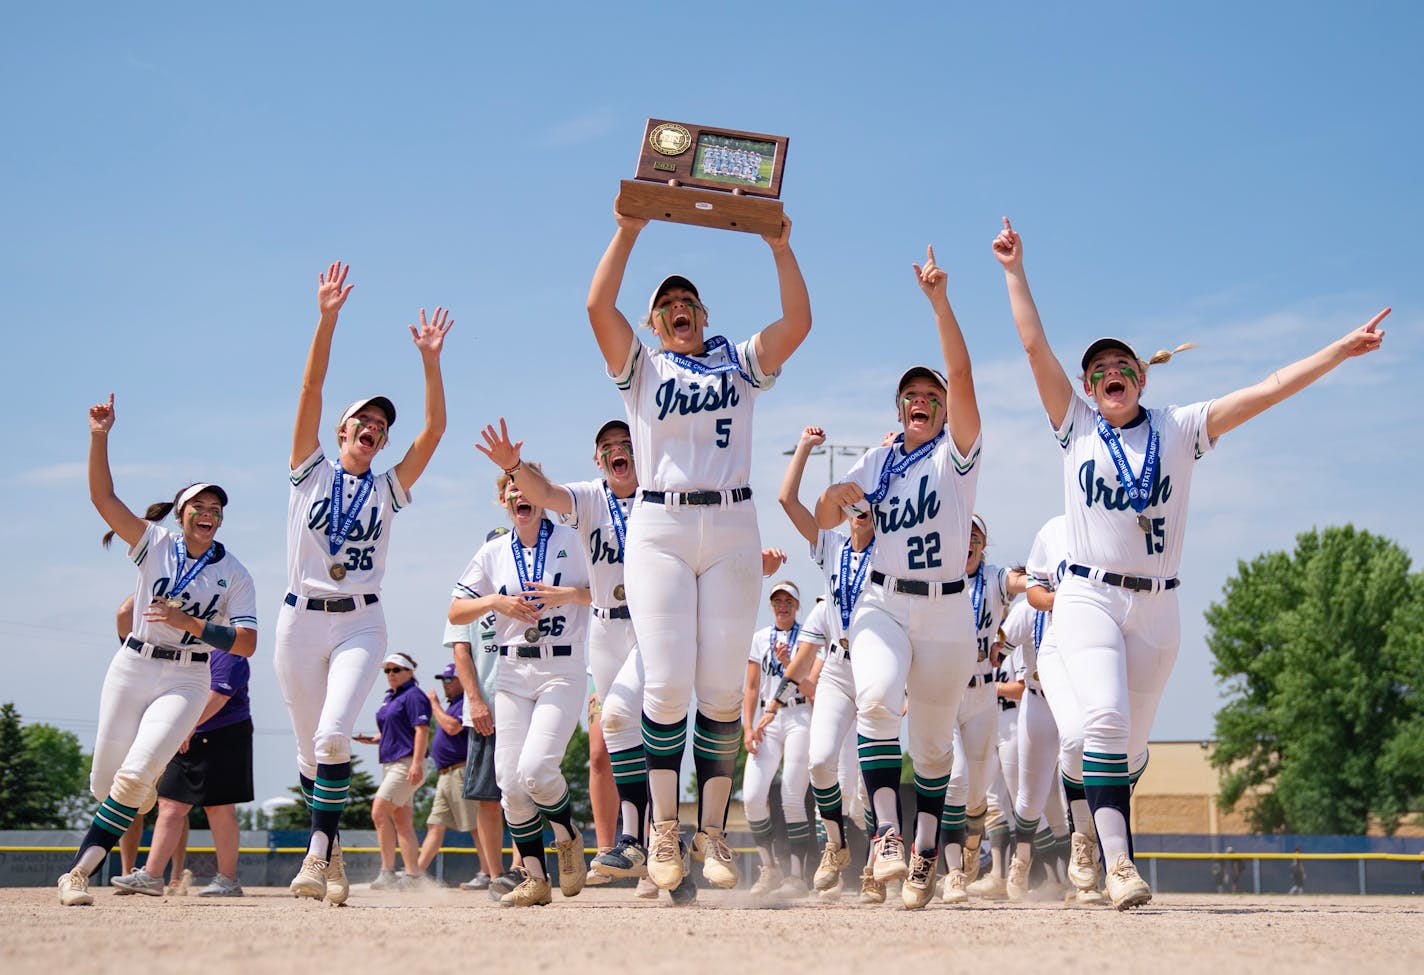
(332,289)
(498,447)
(430,337)
(517,608)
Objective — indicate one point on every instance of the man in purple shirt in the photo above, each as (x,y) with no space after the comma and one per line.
(450,810)
(212,769)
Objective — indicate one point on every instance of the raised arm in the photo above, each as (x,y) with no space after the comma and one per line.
(504,454)
(830,507)
(963,405)
(776,342)
(331,293)
(1054,387)
(790,495)
(127,525)
(430,340)
(1230,411)
(610,328)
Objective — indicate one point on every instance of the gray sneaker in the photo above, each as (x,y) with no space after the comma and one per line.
(221,886)
(385,880)
(479,881)
(139,882)
(504,883)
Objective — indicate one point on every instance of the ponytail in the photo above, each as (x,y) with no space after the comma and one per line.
(1163,356)
(156,512)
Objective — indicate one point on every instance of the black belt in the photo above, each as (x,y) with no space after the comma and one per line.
(1034,690)
(163,653)
(800,699)
(702,498)
(562,650)
(1135,583)
(1006,705)
(915,587)
(978,679)
(337,604)
(616,613)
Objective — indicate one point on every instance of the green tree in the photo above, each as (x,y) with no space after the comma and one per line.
(64,775)
(23,802)
(1320,652)
(575,770)
(356,815)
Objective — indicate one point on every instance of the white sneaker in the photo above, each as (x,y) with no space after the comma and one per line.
(956,887)
(139,882)
(1084,898)
(719,863)
(989,888)
(573,869)
(872,891)
(971,856)
(646,889)
(338,888)
(1083,862)
(768,880)
(918,888)
(665,864)
(834,859)
(889,857)
(385,880)
(1017,884)
(74,888)
(223,886)
(310,881)
(1126,888)
(833,892)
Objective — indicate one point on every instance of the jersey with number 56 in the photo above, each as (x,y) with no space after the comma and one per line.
(922,523)
(692,431)
(493,570)
(362,556)
(1104,530)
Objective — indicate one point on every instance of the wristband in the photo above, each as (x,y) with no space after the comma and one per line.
(786,692)
(221,637)
(509,472)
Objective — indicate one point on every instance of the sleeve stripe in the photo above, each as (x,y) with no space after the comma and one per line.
(300,476)
(463,591)
(239,620)
(395,488)
(624,380)
(142,554)
(969,462)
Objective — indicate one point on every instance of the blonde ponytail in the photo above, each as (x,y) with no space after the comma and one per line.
(1162,355)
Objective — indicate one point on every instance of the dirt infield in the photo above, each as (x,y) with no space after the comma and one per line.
(609,931)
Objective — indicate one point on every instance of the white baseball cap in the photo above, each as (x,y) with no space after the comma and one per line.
(788,587)
(978,522)
(669,282)
(193,490)
(922,372)
(379,402)
(400,660)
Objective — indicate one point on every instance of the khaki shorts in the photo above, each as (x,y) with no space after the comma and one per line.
(451,809)
(394,787)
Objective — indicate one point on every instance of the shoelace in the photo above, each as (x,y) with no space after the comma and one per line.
(920,871)
(665,846)
(717,847)
(891,846)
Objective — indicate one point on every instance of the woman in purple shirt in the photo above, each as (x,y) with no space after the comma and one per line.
(403,723)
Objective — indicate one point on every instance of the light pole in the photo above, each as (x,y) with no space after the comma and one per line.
(832,451)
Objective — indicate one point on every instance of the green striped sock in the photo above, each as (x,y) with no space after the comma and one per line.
(1105,769)
(114,817)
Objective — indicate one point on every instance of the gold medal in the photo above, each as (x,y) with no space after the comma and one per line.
(619,593)
(173,602)
(337,571)
(1145,523)
(531,635)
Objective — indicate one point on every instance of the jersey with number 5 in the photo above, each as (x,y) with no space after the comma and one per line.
(691,431)
(363,555)
(922,523)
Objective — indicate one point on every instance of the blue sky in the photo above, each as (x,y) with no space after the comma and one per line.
(1245,177)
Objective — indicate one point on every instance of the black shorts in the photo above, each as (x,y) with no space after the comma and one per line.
(479,768)
(216,770)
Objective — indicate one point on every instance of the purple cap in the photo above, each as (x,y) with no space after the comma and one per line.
(447,673)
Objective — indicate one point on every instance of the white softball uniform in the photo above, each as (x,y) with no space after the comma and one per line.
(833,755)
(901,640)
(693,571)
(1025,628)
(977,730)
(327,661)
(149,705)
(541,682)
(788,736)
(1119,644)
(1003,786)
(1048,562)
(613,659)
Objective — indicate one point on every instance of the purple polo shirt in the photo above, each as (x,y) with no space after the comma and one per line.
(229,675)
(450,750)
(405,709)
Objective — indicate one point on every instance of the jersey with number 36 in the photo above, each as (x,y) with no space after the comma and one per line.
(1103,527)
(363,554)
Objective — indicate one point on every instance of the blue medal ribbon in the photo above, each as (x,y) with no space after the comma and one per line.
(620,524)
(791,636)
(894,468)
(847,588)
(714,344)
(182,578)
(541,549)
(1139,489)
(1040,619)
(336,534)
(976,596)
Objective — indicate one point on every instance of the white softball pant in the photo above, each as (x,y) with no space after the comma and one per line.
(537,705)
(975,742)
(1004,780)
(693,576)
(146,708)
(326,665)
(617,669)
(834,757)
(921,645)
(788,738)
(1118,648)
(1038,758)
(1067,713)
